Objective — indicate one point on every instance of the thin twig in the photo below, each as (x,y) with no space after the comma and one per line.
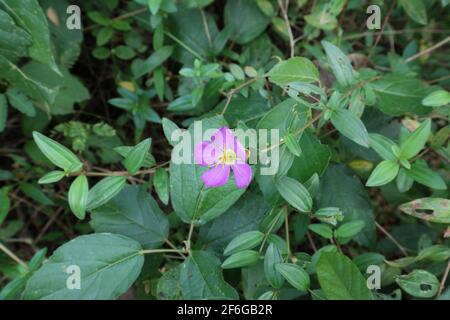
(170,244)
(159,251)
(444,278)
(288,241)
(430,49)
(284,12)
(234,91)
(205,26)
(385,21)
(402,249)
(188,240)
(312,121)
(121,17)
(311,241)
(266,234)
(118,173)
(13,256)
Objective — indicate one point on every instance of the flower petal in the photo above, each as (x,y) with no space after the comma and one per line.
(242,174)
(224,138)
(216,176)
(205,153)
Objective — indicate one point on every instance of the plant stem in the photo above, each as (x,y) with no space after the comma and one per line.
(444,278)
(188,240)
(313,120)
(286,230)
(402,249)
(13,256)
(149,251)
(235,90)
(284,12)
(430,49)
(266,235)
(170,244)
(118,173)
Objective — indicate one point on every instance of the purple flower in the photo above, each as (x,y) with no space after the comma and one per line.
(222,152)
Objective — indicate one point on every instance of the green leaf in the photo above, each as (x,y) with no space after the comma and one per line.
(28,15)
(340,64)
(237,71)
(329,215)
(293,144)
(416,10)
(245,19)
(322,230)
(429,209)
(350,126)
(161,184)
(59,155)
(402,262)
(20,102)
(244,241)
(419,283)
(33,191)
(421,173)
(78,196)
(415,141)
(69,90)
(104,35)
(201,278)
(104,190)
(404,182)
(191,200)
(169,128)
(14,41)
(271,260)
(340,188)
(382,145)
(313,159)
(154,5)
(3,112)
(101,53)
(156,59)
(340,279)
(437,98)
(135,214)
(149,160)
(294,193)
(110,263)
(5,203)
(384,172)
(436,252)
(190,30)
(168,287)
(33,88)
(350,229)
(124,52)
(245,258)
(52,177)
(245,215)
(398,94)
(295,275)
(135,158)
(297,69)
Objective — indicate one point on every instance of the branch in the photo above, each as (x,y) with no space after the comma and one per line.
(430,49)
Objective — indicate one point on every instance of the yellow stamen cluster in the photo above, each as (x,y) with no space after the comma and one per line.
(228,157)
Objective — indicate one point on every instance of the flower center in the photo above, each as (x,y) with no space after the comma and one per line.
(227,157)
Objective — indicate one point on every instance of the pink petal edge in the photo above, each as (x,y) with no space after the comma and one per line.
(242,175)
(216,176)
(205,153)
